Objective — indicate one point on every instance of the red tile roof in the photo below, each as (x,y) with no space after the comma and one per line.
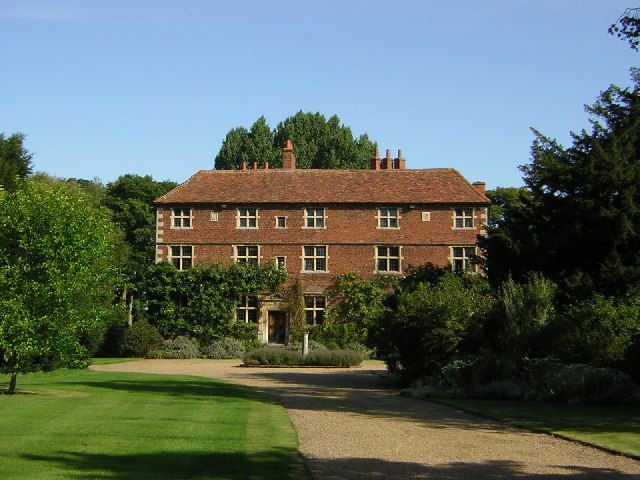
(436,185)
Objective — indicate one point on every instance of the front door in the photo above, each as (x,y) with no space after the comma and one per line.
(277,327)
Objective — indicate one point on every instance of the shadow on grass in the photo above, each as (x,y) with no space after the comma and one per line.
(190,388)
(274,464)
(286,464)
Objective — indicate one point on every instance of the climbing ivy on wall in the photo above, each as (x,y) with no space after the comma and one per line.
(201,302)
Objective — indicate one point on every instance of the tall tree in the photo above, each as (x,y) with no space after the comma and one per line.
(317,143)
(581,226)
(130,199)
(15,160)
(627,27)
(58,268)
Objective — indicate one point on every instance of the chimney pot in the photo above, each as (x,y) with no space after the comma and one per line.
(254,166)
(375,161)
(244,165)
(288,158)
(266,165)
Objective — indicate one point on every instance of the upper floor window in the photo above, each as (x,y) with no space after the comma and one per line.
(281,222)
(247,254)
(388,259)
(314,218)
(314,309)
(247,310)
(314,258)
(181,218)
(462,259)
(463,218)
(247,217)
(181,256)
(388,218)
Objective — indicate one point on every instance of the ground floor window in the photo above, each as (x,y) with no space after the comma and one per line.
(247,310)
(247,254)
(462,259)
(314,309)
(181,256)
(388,259)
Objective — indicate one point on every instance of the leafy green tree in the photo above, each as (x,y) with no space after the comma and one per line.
(130,199)
(627,27)
(15,160)
(58,268)
(579,223)
(318,143)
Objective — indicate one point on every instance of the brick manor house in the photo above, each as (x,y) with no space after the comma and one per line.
(317,224)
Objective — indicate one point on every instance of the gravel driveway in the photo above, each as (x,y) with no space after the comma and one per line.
(352,426)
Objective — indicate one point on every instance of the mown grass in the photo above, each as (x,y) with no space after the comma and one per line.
(86,425)
(109,361)
(612,428)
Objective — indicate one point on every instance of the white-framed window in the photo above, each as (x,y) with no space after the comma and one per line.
(388,218)
(314,258)
(281,263)
(181,217)
(462,217)
(462,259)
(247,217)
(181,256)
(388,259)
(247,254)
(281,222)
(314,306)
(247,310)
(314,218)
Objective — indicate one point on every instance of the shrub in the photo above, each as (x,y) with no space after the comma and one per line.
(599,330)
(313,345)
(273,356)
(156,354)
(181,347)
(332,358)
(225,348)
(338,335)
(283,356)
(139,339)
(500,390)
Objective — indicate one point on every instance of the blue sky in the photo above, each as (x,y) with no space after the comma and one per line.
(104,88)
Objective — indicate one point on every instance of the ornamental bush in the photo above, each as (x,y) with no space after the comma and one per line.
(181,347)
(139,339)
(284,357)
(332,358)
(225,348)
(273,356)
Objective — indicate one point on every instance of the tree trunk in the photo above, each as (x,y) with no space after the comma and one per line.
(12,383)
(130,309)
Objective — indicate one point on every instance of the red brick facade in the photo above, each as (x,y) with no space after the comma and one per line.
(420,206)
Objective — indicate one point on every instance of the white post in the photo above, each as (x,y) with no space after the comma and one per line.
(305,344)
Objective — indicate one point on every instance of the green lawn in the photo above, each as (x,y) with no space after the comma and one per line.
(612,428)
(108,361)
(86,425)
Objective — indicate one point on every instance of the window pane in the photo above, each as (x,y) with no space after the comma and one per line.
(382,251)
(393,213)
(384,223)
(308,251)
(186,222)
(240,315)
(382,264)
(321,251)
(393,223)
(242,251)
(176,221)
(252,316)
(243,222)
(468,222)
(457,252)
(176,262)
(394,251)
(319,316)
(310,222)
(309,317)
(308,264)
(394,265)
(186,251)
(281,222)
(458,212)
(320,302)
(459,223)
(186,263)
(321,264)
(320,222)
(252,251)
(252,222)
(308,302)
(175,251)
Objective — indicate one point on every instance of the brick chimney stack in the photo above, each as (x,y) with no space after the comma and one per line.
(288,158)
(479,187)
(375,161)
(401,163)
(387,161)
